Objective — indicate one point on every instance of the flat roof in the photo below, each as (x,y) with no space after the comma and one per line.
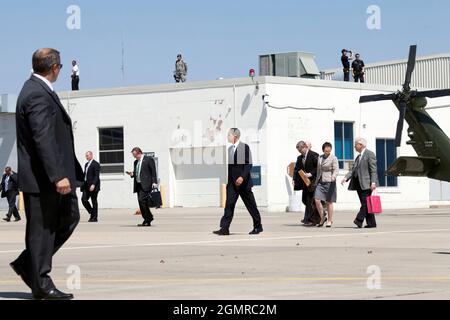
(225,83)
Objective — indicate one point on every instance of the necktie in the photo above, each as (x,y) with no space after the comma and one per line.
(138,171)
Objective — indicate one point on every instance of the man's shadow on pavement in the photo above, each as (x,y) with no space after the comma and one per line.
(16,295)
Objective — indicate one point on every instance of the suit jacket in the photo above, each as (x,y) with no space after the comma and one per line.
(240,165)
(309,167)
(92,176)
(45,143)
(12,185)
(327,169)
(148,174)
(367,171)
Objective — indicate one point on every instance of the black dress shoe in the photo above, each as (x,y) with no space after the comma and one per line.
(222,232)
(370,227)
(17,219)
(358,223)
(7,219)
(145,224)
(20,272)
(256,231)
(53,294)
(93,220)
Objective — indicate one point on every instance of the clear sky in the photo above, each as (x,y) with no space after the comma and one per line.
(216,38)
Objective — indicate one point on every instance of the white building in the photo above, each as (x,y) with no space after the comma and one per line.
(185,126)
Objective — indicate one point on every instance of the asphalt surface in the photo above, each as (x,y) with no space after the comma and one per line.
(406,257)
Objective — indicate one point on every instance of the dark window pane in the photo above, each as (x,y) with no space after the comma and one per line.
(111,157)
(112,169)
(338,140)
(381,163)
(111,139)
(391,155)
(348,141)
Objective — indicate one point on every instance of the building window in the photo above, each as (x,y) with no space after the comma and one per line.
(343,143)
(111,150)
(386,155)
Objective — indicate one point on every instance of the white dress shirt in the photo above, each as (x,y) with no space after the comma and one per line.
(76,70)
(48,83)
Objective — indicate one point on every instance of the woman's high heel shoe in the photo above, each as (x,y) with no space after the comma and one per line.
(322,222)
(329,224)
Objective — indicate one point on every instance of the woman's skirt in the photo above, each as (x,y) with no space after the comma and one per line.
(326,191)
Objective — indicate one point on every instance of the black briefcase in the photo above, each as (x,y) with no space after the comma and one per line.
(155,200)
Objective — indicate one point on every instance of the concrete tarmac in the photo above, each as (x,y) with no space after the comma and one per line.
(406,257)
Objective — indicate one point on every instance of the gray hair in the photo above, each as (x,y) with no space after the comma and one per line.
(44,59)
(361,141)
(235,132)
(300,145)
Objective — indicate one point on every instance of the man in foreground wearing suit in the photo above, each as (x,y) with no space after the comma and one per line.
(145,179)
(48,175)
(239,184)
(307,161)
(91,186)
(364,179)
(10,190)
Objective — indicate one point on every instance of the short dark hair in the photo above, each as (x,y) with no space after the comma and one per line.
(326,144)
(344,51)
(44,59)
(8,169)
(136,149)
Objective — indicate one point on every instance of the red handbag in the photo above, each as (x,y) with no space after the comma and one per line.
(374,204)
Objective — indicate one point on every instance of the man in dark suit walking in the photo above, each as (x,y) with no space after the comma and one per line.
(10,190)
(307,161)
(145,180)
(364,179)
(91,186)
(239,184)
(48,175)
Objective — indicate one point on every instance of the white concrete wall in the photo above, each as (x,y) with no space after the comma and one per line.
(168,119)
(157,121)
(371,121)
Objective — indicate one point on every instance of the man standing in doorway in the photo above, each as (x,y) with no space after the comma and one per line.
(145,180)
(91,186)
(364,179)
(49,173)
(10,190)
(239,184)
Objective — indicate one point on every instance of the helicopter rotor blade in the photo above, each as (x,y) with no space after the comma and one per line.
(401,120)
(433,93)
(411,66)
(377,97)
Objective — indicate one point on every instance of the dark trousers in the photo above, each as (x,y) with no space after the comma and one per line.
(248,198)
(144,204)
(359,77)
(307,199)
(75,83)
(362,214)
(93,210)
(347,76)
(51,220)
(11,197)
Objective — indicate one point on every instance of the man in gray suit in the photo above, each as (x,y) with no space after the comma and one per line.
(364,180)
